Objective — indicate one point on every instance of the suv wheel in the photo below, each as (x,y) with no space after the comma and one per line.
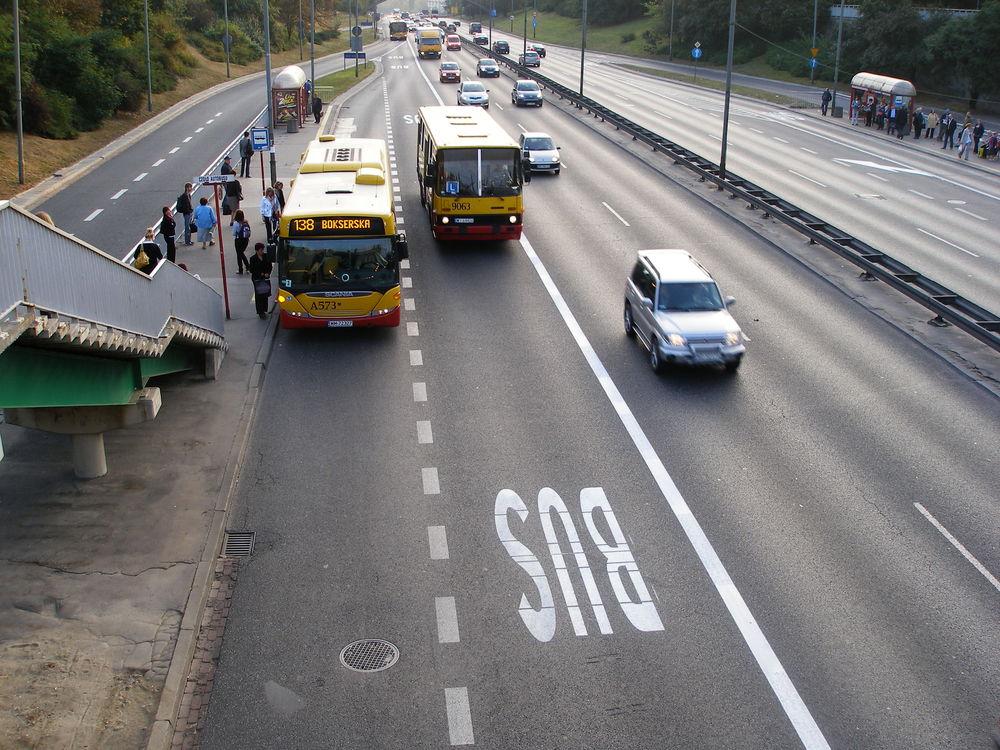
(629,323)
(655,361)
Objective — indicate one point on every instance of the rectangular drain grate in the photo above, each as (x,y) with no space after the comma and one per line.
(238,544)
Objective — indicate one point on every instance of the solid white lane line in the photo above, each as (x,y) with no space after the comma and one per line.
(158,162)
(420,392)
(959,546)
(810,179)
(447,619)
(137,179)
(94,215)
(416,358)
(922,195)
(617,215)
(424,434)
(877,177)
(459,716)
(942,239)
(119,194)
(781,684)
(412,329)
(429,479)
(437,540)
(974,216)
(409,304)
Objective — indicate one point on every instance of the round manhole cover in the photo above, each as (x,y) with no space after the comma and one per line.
(369,655)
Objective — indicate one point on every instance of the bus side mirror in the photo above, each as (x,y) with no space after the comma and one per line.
(401,247)
(429,180)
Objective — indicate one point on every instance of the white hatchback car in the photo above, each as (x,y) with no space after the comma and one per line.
(541,152)
(474,93)
(675,308)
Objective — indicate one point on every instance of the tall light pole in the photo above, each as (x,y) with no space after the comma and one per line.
(267,83)
(583,40)
(729,81)
(524,34)
(301,31)
(812,70)
(836,65)
(149,67)
(670,40)
(227,41)
(17,94)
(312,46)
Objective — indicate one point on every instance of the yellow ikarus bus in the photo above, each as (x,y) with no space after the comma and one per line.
(397,31)
(338,249)
(471,175)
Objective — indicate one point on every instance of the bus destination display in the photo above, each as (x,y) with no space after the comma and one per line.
(327,226)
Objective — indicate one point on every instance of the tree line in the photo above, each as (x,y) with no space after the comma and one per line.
(938,51)
(83,61)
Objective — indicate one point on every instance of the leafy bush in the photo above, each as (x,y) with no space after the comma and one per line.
(629,37)
(47,113)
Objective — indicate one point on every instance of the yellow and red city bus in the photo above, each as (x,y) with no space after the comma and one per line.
(338,248)
(470,173)
(397,31)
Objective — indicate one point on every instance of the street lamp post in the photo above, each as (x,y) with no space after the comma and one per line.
(312,46)
(227,41)
(836,66)
(729,81)
(583,40)
(267,84)
(812,69)
(17,94)
(149,67)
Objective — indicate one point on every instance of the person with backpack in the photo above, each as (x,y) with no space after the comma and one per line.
(241,239)
(185,209)
(246,152)
(231,203)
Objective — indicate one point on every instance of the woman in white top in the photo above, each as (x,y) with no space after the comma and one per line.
(270,212)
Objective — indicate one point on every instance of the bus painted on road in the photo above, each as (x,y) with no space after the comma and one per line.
(397,31)
(470,173)
(338,248)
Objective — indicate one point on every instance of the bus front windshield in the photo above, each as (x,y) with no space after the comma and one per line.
(478,172)
(332,265)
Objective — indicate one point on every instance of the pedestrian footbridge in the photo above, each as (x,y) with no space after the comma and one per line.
(82,332)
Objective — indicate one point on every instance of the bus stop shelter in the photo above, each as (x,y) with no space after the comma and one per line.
(875,89)
(289,100)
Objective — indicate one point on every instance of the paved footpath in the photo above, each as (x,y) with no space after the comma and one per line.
(104,583)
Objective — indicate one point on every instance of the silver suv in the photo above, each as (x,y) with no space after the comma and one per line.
(674,307)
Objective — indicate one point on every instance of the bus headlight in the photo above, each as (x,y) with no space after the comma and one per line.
(444,219)
(512,219)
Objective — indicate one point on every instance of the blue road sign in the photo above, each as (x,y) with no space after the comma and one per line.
(493,12)
(258,136)
(696,53)
(534,23)
(355,55)
(813,63)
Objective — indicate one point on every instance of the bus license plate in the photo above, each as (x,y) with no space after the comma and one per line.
(339,323)
(463,220)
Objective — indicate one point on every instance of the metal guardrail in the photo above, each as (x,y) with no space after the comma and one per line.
(947,306)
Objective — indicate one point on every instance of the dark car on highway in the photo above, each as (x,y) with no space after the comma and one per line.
(501,47)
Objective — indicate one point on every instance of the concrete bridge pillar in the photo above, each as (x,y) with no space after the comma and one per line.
(87,425)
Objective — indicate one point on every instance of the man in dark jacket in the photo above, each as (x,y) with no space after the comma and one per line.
(185,209)
(246,151)
(317,108)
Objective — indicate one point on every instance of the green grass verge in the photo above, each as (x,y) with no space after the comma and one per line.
(331,86)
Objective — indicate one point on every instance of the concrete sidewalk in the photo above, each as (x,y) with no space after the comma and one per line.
(103,582)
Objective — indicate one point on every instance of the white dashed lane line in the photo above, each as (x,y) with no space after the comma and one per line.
(419,392)
(416,359)
(808,179)
(424,433)
(429,479)
(459,716)
(959,546)
(617,215)
(119,194)
(951,244)
(94,215)
(447,619)
(140,177)
(158,162)
(437,541)
(412,329)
